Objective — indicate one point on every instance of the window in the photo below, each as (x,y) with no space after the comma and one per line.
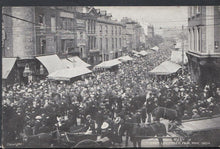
(69,24)
(194,10)
(63,24)
(199,40)
(106,43)
(53,24)
(106,28)
(112,30)
(216,44)
(190,45)
(112,43)
(88,26)
(115,30)
(94,42)
(192,40)
(100,29)
(119,30)
(42,46)
(100,43)
(189,11)
(116,44)
(119,42)
(42,19)
(94,24)
(81,35)
(194,37)
(89,41)
(198,10)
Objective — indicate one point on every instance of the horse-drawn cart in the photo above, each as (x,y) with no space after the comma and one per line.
(61,139)
(202,131)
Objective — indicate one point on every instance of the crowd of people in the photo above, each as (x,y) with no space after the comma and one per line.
(101,96)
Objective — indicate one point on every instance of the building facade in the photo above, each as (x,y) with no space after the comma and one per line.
(38,31)
(109,36)
(150,31)
(81,31)
(134,34)
(204,39)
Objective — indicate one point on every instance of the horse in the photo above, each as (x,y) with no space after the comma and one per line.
(138,131)
(126,128)
(166,113)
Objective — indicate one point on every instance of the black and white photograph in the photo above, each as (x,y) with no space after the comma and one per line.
(110,76)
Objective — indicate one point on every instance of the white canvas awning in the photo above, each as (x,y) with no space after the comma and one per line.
(67,63)
(68,73)
(143,53)
(135,52)
(156,48)
(108,64)
(191,126)
(52,63)
(7,65)
(166,68)
(125,58)
(176,57)
(77,62)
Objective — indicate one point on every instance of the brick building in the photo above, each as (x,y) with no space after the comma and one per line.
(204,39)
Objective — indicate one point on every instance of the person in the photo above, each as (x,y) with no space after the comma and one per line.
(150,107)
(89,125)
(99,120)
(195,114)
(185,116)
(143,114)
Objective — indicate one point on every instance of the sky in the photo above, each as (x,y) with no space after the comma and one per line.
(158,16)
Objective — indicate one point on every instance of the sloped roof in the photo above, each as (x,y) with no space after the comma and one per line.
(7,65)
(166,68)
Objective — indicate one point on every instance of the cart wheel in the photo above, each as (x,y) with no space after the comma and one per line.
(87,143)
